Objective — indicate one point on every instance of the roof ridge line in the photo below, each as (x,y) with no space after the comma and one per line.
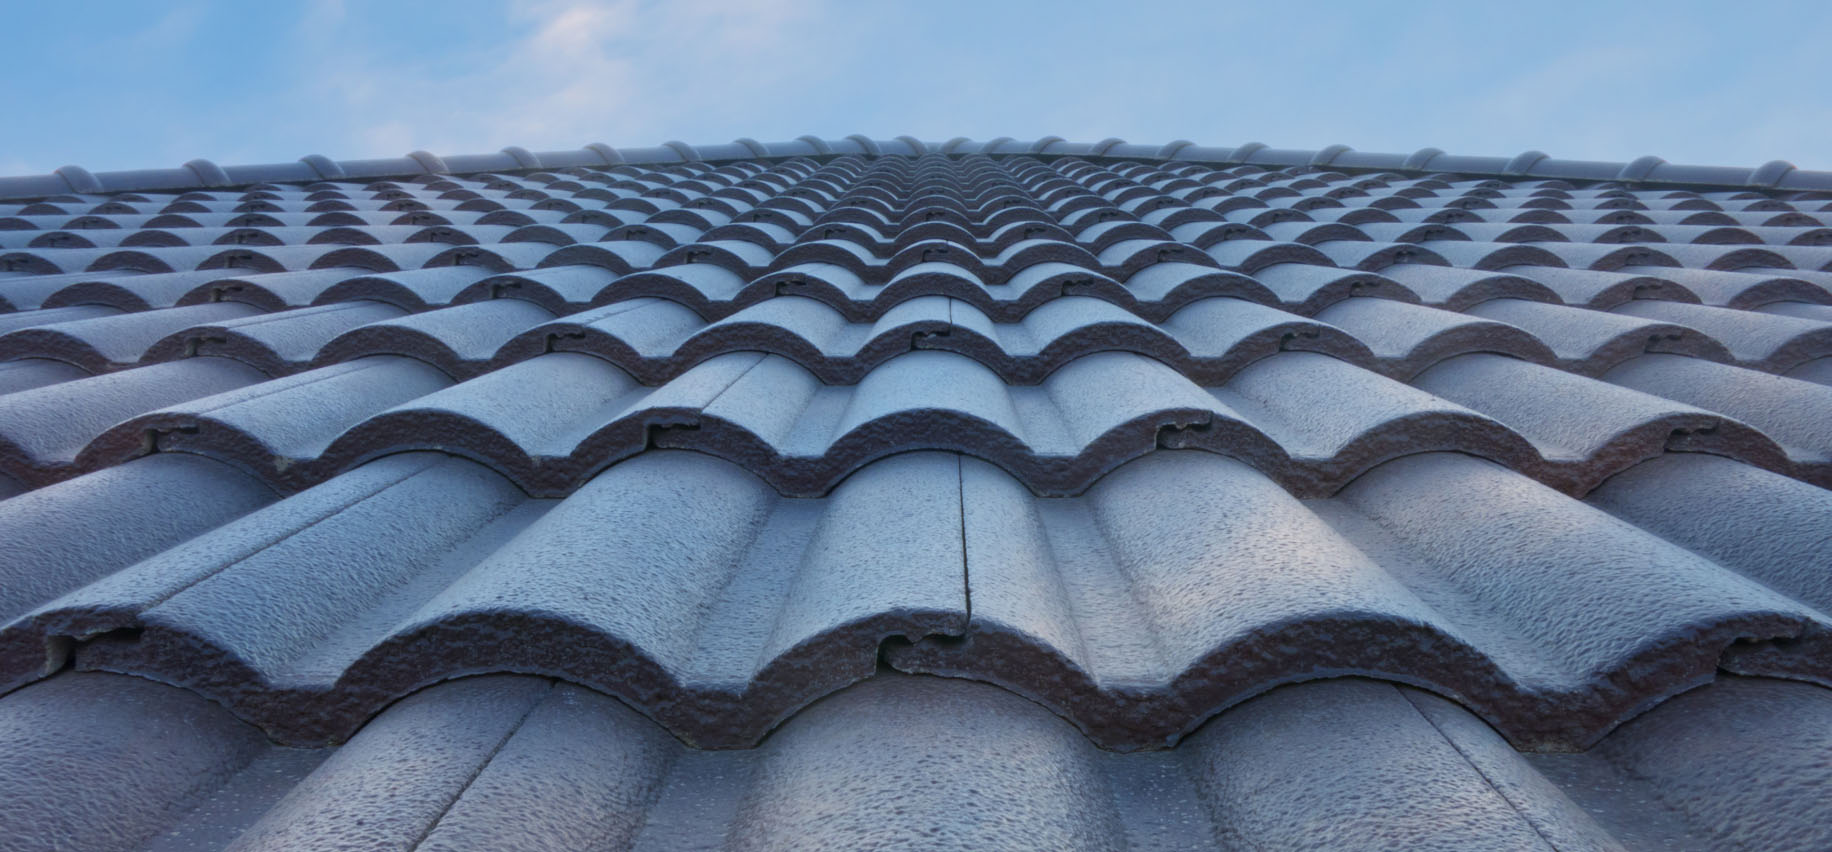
(202,174)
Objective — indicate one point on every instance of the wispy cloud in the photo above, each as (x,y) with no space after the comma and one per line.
(174,29)
(574,71)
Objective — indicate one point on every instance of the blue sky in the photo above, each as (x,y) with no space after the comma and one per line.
(113,85)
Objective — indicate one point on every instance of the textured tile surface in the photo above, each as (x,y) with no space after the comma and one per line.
(617,506)
(507,762)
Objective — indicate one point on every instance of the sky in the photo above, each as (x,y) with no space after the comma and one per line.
(119,85)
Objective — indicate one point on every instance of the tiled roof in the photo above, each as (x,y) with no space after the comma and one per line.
(636,506)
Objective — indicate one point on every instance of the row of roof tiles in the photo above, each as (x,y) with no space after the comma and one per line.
(1041,259)
(656,340)
(714,292)
(1095,238)
(203,174)
(1120,185)
(1058,187)
(49,231)
(517,763)
(1180,585)
(1310,421)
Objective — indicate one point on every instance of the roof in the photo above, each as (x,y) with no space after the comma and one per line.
(941,501)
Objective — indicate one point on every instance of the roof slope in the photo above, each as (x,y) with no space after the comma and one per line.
(599,500)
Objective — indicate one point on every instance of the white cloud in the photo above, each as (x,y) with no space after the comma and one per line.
(625,72)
